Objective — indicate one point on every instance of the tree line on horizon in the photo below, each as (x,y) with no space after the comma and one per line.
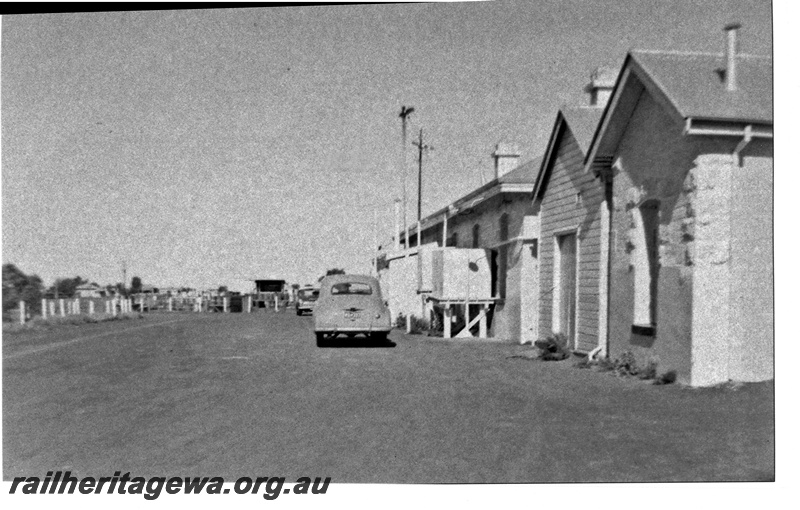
(329,272)
(18,286)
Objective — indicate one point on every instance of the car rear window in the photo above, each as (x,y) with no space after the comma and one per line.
(309,294)
(351,288)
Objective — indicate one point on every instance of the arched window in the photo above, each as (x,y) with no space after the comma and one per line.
(476,236)
(645,263)
(504,227)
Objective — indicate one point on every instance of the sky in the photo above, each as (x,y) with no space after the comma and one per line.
(207,147)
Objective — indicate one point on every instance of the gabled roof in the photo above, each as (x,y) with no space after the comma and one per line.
(582,123)
(523,174)
(519,180)
(691,88)
(694,83)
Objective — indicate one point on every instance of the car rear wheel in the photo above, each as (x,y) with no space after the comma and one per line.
(379,336)
(322,341)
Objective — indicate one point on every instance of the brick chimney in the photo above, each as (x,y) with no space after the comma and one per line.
(601,83)
(506,156)
(731,48)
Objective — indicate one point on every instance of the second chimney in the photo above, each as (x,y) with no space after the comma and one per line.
(505,159)
(731,49)
(601,83)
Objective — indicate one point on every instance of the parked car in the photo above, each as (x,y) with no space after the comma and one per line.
(350,305)
(306,300)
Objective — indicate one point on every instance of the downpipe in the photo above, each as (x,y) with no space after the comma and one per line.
(594,352)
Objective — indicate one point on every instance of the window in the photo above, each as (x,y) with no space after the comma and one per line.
(504,227)
(499,271)
(453,241)
(645,263)
(476,236)
(500,260)
(308,294)
(350,288)
(502,271)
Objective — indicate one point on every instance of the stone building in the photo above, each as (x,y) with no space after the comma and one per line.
(495,217)
(684,151)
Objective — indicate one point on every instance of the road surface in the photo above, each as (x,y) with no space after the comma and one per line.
(251,395)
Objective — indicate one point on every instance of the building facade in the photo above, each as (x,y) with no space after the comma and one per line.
(567,202)
(647,225)
(496,217)
(685,148)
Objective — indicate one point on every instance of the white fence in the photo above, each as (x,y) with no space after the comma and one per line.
(150,303)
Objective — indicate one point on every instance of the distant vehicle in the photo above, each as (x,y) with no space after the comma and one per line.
(306,300)
(350,305)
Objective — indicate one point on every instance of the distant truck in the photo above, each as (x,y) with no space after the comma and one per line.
(306,300)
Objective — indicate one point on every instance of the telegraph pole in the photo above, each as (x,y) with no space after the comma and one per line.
(375,240)
(404,113)
(422,148)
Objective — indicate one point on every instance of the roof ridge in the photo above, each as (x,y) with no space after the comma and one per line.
(697,53)
(581,107)
(677,52)
(497,181)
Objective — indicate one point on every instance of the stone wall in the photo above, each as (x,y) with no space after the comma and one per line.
(653,163)
(713,319)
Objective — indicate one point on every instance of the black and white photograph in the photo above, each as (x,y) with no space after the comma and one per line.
(259,253)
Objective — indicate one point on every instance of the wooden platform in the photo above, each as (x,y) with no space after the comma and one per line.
(447,303)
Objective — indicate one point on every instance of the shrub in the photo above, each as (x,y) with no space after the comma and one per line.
(554,347)
(560,339)
(437,321)
(418,325)
(649,371)
(626,365)
(666,378)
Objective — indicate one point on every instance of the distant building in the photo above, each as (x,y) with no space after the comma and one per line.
(494,218)
(266,290)
(270,285)
(90,290)
(148,289)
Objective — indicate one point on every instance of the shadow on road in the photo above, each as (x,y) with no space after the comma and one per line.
(358,342)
